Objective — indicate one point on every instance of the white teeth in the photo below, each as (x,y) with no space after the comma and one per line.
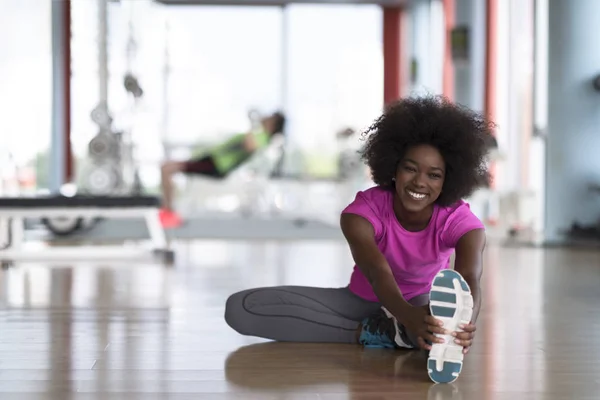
(416,196)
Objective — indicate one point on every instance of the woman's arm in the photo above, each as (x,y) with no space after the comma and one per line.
(469,263)
(360,235)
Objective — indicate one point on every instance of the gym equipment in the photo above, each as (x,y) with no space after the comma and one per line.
(349,164)
(65,226)
(349,161)
(110,168)
(588,231)
(244,189)
(103,179)
(104,145)
(132,86)
(596,83)
(5,238)
(74,210)
(218,226)
(101,116)
(62,226)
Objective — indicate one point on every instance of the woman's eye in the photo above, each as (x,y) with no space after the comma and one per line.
(411,169)
(435,176)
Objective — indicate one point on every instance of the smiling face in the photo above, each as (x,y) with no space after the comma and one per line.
(419,178)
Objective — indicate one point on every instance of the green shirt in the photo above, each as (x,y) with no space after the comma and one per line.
(229,155)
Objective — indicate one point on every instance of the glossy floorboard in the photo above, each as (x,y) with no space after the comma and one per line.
(74,332)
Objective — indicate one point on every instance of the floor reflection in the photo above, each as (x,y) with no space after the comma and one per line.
(328,369)
(85,286)
(150,332)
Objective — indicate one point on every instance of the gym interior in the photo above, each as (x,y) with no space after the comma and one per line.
(106,101)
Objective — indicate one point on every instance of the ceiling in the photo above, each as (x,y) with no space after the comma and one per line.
(391,3)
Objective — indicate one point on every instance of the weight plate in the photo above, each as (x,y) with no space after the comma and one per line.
(103,146)
(102,180)
(62,226)
(101,117)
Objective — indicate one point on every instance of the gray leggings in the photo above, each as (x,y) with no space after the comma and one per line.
(301,314)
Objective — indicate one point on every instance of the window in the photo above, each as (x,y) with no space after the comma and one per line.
(334,78)
(201,68)
(26,95)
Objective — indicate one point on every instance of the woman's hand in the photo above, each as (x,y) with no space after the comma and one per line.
(422,325)
(466,337)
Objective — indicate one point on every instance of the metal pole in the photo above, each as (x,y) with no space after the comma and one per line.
(278,170)
(59,123)
(284,57)
(165,95)
(103,52)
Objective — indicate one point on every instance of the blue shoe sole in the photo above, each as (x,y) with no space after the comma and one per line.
(452,303)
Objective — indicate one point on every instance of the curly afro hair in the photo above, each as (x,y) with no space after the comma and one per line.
(462,137)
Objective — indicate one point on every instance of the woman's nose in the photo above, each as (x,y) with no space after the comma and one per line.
(419,181)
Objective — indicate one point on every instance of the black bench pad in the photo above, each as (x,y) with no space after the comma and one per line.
(57,201)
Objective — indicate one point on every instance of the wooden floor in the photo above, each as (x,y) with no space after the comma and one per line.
(74,332)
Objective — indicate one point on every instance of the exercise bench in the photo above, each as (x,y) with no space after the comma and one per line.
(14,211)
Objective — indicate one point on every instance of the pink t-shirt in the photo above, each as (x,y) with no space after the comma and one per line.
(414,257)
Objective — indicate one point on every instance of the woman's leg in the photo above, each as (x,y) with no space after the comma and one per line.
(298,314)
(204,166)
(383,330)
(167,171)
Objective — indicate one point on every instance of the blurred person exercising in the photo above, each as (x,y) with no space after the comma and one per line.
(217,162)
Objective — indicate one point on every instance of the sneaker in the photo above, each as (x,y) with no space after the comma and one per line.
(381,330)
(169,219)
(451,302)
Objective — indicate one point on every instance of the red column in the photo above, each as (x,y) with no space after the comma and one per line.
(449,22)
(393,59)
(68,152)
(491,54)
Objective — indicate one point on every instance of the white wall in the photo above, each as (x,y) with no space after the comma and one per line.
(427,46)
(573,142)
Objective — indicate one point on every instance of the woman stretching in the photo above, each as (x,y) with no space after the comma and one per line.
(425,155)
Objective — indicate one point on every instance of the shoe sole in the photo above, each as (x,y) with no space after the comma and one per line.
(450,301)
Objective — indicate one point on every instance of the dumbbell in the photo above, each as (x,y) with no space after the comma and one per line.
(133,86)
